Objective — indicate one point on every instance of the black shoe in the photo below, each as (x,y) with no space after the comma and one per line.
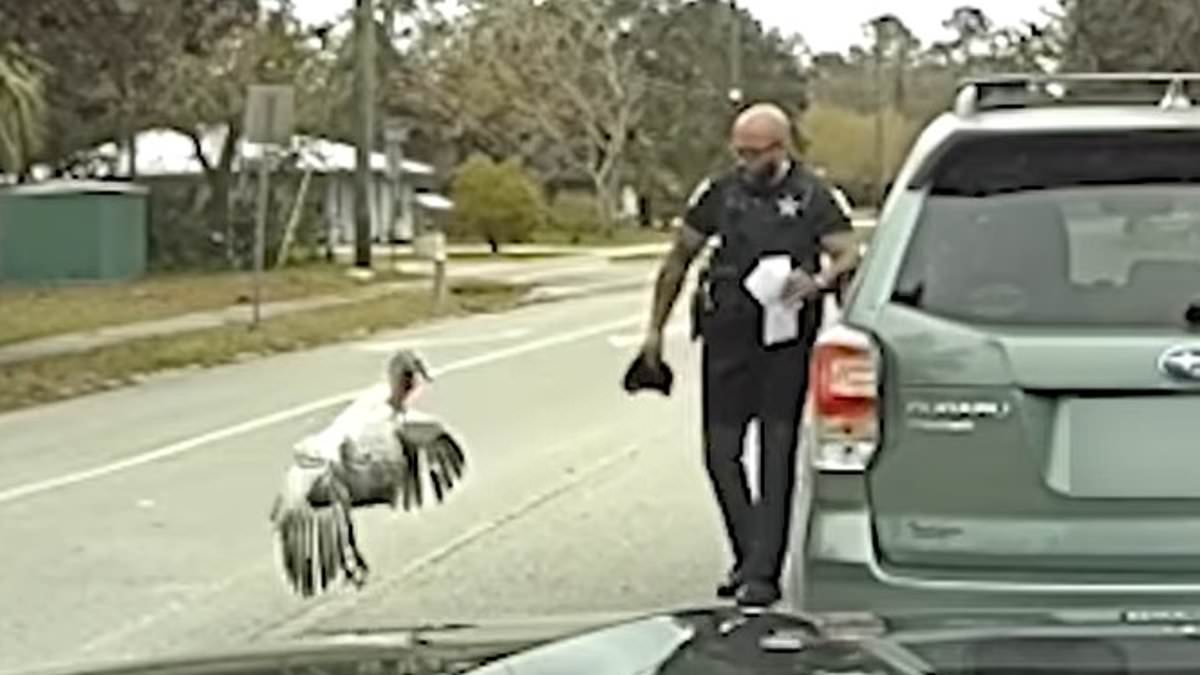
(730,586)
(758,594)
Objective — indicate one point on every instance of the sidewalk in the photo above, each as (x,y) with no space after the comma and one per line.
(507,271)
(383,252)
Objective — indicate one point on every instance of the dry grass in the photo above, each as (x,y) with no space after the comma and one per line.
(58,377)
(624,236)
(38,312)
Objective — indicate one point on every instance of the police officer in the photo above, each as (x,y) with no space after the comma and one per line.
(769,206)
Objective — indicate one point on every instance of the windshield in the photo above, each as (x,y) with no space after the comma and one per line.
(1091,256)
(341,317)
(1082,230)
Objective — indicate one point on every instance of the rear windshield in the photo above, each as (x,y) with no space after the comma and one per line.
(1088,230)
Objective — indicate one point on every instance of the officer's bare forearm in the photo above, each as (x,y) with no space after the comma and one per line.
(671,275)
(666,291)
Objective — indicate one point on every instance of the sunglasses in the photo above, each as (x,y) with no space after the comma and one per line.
(749,154)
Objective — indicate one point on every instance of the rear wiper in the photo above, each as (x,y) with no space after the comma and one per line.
(909,296)
(1192,314)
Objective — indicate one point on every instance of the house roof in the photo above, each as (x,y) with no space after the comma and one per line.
(61,187)
(433,202)
(166,152)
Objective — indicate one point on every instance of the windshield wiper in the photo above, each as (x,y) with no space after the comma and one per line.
(1192,314)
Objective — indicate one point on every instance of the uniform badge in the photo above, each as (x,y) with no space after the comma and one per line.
(788,205)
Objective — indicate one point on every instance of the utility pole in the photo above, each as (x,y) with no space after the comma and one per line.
(260,229)
(880,101)
(364,81)
(736,94)
(395,133)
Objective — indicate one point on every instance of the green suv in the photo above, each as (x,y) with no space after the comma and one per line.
(1007,413)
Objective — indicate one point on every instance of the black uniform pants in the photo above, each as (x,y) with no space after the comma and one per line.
(745,382)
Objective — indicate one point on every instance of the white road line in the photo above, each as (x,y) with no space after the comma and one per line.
(433,341)
(189,444)
(554,292)
(530,277)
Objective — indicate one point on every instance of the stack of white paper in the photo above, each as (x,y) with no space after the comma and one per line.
(765,283)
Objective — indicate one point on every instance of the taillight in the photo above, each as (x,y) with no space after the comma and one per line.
(843,386)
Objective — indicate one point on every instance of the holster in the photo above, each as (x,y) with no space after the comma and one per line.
(702,302)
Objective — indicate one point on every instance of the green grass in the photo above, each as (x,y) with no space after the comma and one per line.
(617,237)
(51,310)
(550,237)
(54,378)
(483,256)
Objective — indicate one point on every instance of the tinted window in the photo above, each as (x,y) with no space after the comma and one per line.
(1044,235)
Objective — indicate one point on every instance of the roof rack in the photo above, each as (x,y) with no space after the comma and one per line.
(993,92)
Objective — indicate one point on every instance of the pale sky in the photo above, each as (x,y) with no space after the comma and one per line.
(826,25)
(834,25)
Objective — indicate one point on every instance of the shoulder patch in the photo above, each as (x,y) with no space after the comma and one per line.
(698,193)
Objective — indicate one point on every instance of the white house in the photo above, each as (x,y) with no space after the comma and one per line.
(168,153)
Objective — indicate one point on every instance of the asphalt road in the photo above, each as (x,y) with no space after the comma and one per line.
(135,523)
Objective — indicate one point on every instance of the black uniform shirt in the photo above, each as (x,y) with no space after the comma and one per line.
(790,219)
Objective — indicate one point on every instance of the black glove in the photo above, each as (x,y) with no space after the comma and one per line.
(641,375)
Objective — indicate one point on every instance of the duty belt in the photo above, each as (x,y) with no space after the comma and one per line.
(703,304)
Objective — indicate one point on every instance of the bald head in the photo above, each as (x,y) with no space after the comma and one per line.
(761,135)
(765,121)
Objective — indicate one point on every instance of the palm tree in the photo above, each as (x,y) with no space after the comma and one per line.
(22,111)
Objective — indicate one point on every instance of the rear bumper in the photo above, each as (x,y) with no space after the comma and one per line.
(837,568)
(847,587)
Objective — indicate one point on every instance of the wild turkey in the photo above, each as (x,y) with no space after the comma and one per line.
(378,451)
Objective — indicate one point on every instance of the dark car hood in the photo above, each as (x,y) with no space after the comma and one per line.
(706,640)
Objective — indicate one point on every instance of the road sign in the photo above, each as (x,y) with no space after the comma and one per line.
(396,129)
(270,114)
(270,117)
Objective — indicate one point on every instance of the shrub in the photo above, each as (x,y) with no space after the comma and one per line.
(496,202)
(576,216)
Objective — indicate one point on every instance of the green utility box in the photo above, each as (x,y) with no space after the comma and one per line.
(72,231)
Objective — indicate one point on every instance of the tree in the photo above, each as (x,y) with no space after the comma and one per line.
(598,92)
(894,47)
(1130,35)
(841,141)
(497,202)
(550,82)
(870,101)
(973,32)
(684,131)
(206,93)
(924,84)
(22,111)
(108,61)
